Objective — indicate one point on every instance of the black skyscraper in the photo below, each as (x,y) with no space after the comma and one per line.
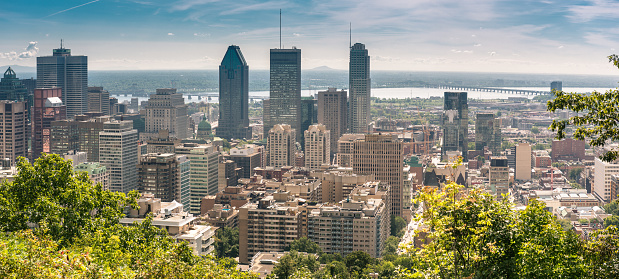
(233,96)
(285,95)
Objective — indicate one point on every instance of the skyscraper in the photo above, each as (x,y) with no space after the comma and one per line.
(333,113)
(382,156)
(99,100)
(69,73)
(309,115)
(317,146)
(281,146)
(118,152)
(455,123)
(285,92)
(12,88)
(204,171)
(166,110)
(13,130)
(48,107)
(233,96)
(359,88)
(159,174)
(499,176)
(488,133)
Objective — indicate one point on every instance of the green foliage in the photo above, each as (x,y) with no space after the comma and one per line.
(596,119)
(565,224)
(398,226)
(358,261)
(471,145)
(535,130)
(481,159)
(58,202)
(574,174)
(292,262)
(391,246)
(227,242)
(303,244)
(507,144)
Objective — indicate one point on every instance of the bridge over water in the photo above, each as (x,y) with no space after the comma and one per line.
(490,89)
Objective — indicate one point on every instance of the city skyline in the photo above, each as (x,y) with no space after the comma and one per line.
(471,36)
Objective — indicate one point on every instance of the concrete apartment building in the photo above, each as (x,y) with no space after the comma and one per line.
(118,152)
(602,179)
(165,175)
(358,223)
(281,146)
(499,176)
(13,130)
(317,146)
(247,157)
(96,172)
(203,171)
(80,134)
(522,170)
(338,184)
(166,110)
(345,147)
(333,113)
(99,100)
(382,156)
(180,225)
(568,150)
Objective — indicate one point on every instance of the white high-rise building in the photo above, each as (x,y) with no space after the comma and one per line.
(203,172)
(281,146)
(317,146)
(602,177)
(118,152)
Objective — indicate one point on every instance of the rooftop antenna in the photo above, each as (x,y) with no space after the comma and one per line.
(350,35)
(61,44)
(280,28)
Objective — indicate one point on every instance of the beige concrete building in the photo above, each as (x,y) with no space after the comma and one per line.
(332,112)
(317,146)
(13,130)
(338,184)
(603,172)
(281,146)
(523,162)
(203,172)
(166,110)
(118,152)
(345,147)
(99,100)
(358,223)
(96,172)
(499,176)
(383,156)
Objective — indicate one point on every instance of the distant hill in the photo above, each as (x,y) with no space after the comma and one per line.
(324,68)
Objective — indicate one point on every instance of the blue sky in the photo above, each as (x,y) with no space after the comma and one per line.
(549,36)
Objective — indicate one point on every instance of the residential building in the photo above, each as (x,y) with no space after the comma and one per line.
(568,150)
(233,96)
(602,179)
(203,173)
(338,184)
(382,156)
(166,110)
(48,107)
(455,123)
(488,133)
(13,130)
(118,152)
(499,176)
(69,72)
(157,174)
(222,216)
(333,113)
(96,172)
(99,100)
(285,90)
(345,149)
(359,84)
(281,146)
(247,158)
(317,146)
(522,171)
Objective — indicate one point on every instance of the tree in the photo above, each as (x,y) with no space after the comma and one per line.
(596,119)
(358,261)
(293,261)
(535,130)
(303,244)
(398,225)
(58,202)
(391,246)
(481,159)
(227,242)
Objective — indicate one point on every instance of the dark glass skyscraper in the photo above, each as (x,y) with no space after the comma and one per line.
(13,89)
(285,95)
(68,72)
(455,123)
(360,87)
(233,96)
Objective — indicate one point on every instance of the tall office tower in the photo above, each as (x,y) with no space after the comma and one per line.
(48,107)
(309,115)
(285,96)
(159,174)
(69,73)
(118,152)
(499,176)
(99,100)
(522,171)
(333,113)
(266,117)
(166,110)
(247,158)
(184,180)
(317,146)
(227,174)
(346,149)
(488,133)
(382,156)
(558,85)
(233,96)
(359,88)
(13,130)
(80,134)
(12,88)
(455,123)
(281,146)
(203,173)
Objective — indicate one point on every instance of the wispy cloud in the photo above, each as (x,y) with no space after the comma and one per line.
(597,9)
(73,8)
(184,5)
(30,51)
